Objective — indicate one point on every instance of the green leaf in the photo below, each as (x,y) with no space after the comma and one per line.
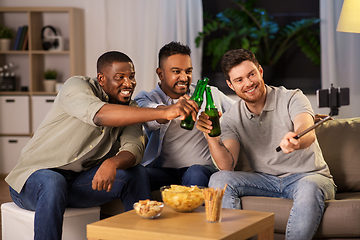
(253,28)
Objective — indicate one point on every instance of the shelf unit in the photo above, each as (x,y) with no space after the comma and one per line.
(69,22)
(30,65)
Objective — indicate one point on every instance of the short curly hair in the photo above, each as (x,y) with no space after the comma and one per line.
(172,48)
(108,58)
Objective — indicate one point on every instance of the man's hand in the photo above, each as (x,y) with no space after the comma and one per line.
(105,176)
(289,144)
(302,121)
(183,107)
(319,117)
(204,124)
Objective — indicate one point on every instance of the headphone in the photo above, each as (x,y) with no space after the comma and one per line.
(49,43)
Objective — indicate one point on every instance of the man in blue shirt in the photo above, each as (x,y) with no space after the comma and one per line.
(174,155)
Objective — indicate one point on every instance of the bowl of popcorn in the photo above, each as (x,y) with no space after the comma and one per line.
(148,209)
(182,198)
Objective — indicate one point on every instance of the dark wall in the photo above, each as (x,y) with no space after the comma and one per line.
(295,70)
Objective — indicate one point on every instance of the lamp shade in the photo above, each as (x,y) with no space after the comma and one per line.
(349,20)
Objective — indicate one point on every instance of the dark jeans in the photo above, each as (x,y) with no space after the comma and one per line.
(194,175)
(48,192)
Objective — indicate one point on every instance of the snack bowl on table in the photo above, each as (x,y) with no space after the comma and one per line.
(182,198)
(148,209)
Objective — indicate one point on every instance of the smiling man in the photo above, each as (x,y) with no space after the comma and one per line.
(174,155)
(87,149)
(263,118)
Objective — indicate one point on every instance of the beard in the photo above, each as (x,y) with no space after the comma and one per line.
(260,90)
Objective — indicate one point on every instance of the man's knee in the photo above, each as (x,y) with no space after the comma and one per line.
(197,170)
(45,185)
(133,175)
(219,179)
(315,186)
(47,180)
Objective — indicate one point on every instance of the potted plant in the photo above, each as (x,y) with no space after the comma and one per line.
(254,29)
(6,34)
(50,80)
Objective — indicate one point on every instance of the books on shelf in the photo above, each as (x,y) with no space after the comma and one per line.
(17,38)
(25,42)
(23,33)
(21,40)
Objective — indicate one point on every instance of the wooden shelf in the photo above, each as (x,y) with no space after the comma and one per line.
(31,64)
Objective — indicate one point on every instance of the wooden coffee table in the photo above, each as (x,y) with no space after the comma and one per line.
(235,224)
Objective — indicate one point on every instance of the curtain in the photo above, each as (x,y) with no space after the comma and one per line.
(340,57)
(140,28)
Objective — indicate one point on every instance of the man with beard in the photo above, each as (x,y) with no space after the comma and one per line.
(87,149)
(174,155)
(264,118)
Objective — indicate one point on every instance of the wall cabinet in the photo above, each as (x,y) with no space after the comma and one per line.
(10,149)
(21,111)
(14,117)
(40,106)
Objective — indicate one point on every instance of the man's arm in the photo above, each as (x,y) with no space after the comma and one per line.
(130,153)
(301,122)
(225,153)
(115,115)
(80,100)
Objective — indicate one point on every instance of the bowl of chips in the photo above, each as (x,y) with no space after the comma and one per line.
(148,209)
(182,198)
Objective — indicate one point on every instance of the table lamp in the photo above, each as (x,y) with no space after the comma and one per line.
(349,20)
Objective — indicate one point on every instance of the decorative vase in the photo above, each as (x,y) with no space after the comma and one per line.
(49,85)
(5,44)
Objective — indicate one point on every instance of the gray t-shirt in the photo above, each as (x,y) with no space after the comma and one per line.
(178,153)
(260,135)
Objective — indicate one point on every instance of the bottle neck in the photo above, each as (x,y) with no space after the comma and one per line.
(199,91)
(209,99)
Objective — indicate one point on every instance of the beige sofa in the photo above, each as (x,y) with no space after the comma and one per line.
(340,143)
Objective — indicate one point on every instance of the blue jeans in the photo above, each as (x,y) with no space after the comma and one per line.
(49,191)
(308,190)
(194,175)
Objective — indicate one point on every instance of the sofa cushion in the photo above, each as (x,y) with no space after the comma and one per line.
(340,143)
(341,217)
(279,206)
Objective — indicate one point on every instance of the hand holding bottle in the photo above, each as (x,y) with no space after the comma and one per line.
(204,123)
(188,123)
(183,108)
(213,114)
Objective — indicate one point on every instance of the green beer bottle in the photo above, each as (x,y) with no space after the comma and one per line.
(188,123)
(213,114)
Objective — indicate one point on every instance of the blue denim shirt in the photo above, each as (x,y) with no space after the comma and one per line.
(156,131)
